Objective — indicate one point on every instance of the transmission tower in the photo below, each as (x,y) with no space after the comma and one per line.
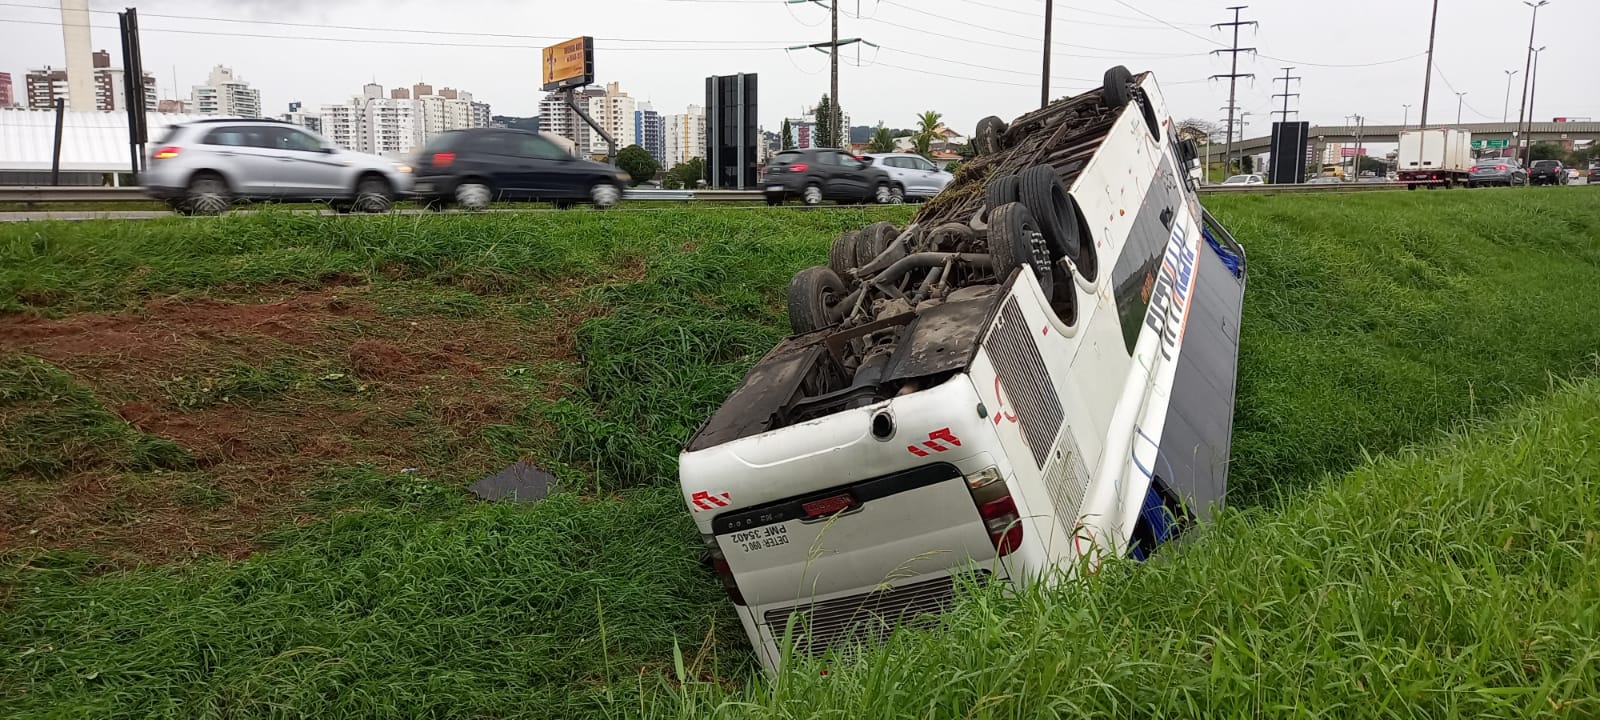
(1286,94)
(1234,74)
(832,48)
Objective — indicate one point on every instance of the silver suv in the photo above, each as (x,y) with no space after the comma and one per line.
(205,166)
(914,176)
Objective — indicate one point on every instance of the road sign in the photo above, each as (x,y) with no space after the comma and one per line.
(1350,152)
(1492,144)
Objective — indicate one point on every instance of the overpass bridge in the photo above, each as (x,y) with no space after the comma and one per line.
(1346,134)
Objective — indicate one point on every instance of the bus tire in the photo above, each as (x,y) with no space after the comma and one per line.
(874,239)
(1042,192)
(1117,87)
(1002,190)
(842,255)
(987,140)
(1014,239)
(814,294)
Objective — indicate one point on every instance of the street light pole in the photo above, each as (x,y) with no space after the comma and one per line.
(1527,70)
(1505,109)
(1406,124)
(1533,89)
(1427,80)
(1460,99)
(1044,80)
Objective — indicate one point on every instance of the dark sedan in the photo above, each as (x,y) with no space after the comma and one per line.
(473,168)
(1548,172)
(818,174)
(1497,171)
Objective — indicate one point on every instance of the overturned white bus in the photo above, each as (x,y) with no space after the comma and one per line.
(1037,372)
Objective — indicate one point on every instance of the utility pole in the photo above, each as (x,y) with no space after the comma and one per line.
(1044,78)
(1460,98)
(1427,80)
(1286,94)
(1505,108)
(1355,159)
(1533,88)
(1527,76)
(1234,74)
(1405,124)
(833,45)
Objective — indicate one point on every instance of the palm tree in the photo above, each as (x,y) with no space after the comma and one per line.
(928,124)
(881,142)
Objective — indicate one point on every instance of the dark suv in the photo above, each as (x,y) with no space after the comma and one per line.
(475,167)
(1547,172)
(817,174)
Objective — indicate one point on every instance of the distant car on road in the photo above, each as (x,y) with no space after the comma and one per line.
(1496,171)
(1245,180)
(817,174)
(1594,173)
(1324,180)
(205,166)
(914,176)
(475,167)
(1547,172)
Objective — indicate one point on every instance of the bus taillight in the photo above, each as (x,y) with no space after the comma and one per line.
(724,571)
(1004,523)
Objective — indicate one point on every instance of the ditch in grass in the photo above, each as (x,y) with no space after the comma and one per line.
(1365,320)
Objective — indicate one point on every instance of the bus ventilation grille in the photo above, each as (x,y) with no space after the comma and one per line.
(863,620)
(1028,388)
(1067,479)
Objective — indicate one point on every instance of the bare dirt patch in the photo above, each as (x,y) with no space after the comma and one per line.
(263,397)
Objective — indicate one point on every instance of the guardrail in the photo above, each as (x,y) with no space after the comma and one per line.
(76,194)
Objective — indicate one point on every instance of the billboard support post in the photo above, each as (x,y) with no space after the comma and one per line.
(611,143)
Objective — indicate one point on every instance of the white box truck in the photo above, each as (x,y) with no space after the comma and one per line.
(1434,156)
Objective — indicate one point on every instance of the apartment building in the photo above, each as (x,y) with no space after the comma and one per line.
(109,93)
(7,99)
(685,136)
(649,130)
(614,111)
(224,94)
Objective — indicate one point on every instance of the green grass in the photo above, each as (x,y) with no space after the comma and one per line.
(1373,322)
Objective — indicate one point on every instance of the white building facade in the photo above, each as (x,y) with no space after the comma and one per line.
(613,111)
(224,94)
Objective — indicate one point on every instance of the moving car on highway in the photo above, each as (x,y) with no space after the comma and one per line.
(475,167)
(817,174)
(1496,171)
(1547,172)
(914,176)
(1035,375)
(1245,180)
(205,166)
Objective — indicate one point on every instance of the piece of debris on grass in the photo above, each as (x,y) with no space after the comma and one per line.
(522,481)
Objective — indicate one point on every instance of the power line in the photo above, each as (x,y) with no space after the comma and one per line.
(385,41)
(1071,16)
(316,26)
(1440,72)
(1121,52)
(1270,57)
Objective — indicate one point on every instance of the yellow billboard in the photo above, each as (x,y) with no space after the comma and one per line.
(569,64)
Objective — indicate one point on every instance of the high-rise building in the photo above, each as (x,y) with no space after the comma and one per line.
(481,117)
(805,129)
(649,130)
(172,106)
(399,94)
(342,124)
(556,117)
(109,93)
(420,89)
(685,136)
(400,123)
(448,93)
(732,131)
(223,94)
(6,98)
(44,85)
(78,80)
(614,111)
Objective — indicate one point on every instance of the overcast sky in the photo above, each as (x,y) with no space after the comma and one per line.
(964,58)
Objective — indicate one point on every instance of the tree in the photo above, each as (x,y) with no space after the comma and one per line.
(1200,131)
(928,123)
(686,174)
(637,162)
(824,129)
(881,141)
(1545,151)
(788,135)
